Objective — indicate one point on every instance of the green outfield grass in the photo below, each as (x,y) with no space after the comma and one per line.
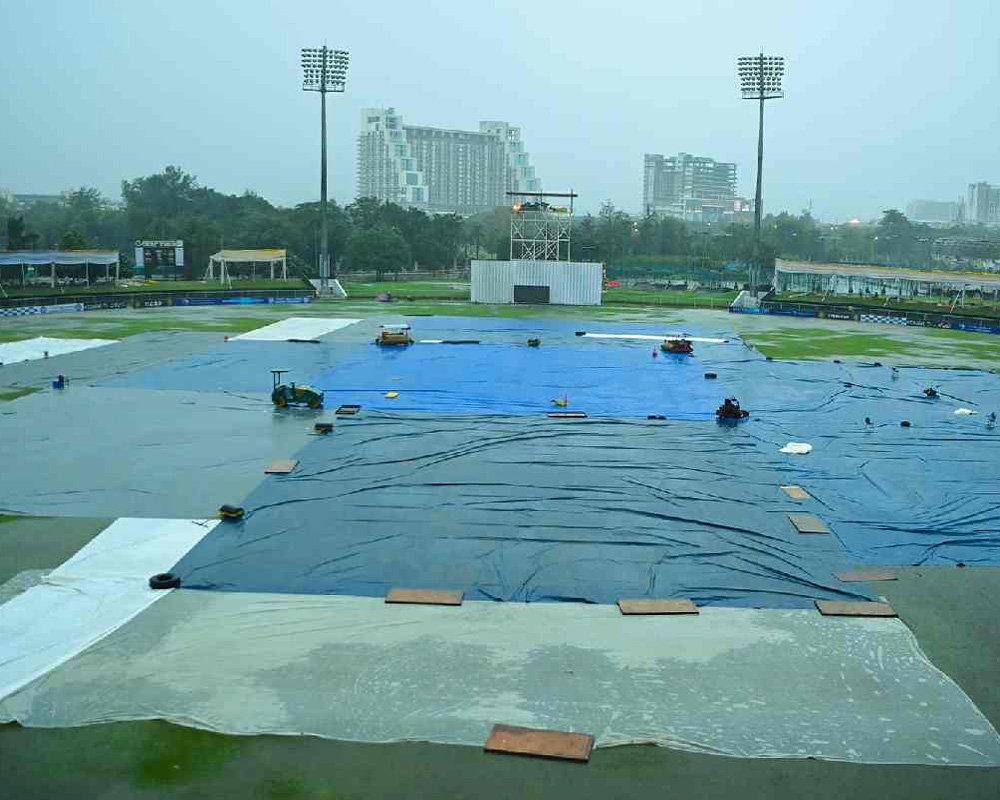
(794,342)
(8,394)
(430,290)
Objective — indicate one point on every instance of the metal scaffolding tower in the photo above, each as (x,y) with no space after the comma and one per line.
(540,230)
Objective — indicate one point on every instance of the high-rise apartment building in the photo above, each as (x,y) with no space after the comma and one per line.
(690,187)
(438,170)
(935,212)
(983,207)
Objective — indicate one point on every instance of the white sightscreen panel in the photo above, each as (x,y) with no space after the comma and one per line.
(569,282)
(492,282)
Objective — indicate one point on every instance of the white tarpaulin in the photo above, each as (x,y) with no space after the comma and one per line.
(31,349)
(95,592)
(644,337)
(735,681)
(797,448)
(296,328)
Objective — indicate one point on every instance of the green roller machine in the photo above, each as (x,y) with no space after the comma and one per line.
(292,394)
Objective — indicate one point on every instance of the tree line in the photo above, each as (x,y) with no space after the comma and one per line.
(364,236)
(372,236)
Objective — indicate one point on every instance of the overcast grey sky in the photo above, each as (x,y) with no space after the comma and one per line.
(885,101)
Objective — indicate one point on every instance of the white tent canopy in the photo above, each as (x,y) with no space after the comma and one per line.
(61,258)
(224,258)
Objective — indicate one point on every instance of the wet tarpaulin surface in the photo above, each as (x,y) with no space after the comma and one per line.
(603,377)
(890,494)
(531,508)
(488,378)
(501,375)
(894,495)
(741,682)
(517,379)
(513,508)
(93,452)
(128,355)
(96,591)
(45,347)
(236,366)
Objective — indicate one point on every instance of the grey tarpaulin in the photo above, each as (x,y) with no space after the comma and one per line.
(95,452)
(133,354)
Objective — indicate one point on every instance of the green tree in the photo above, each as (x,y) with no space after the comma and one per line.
(18,235)
(615,233)
(379,249)
(72,239)
(151,203)
(472,235)
(899,241)
(366,212)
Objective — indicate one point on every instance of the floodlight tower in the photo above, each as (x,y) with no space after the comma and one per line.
(760,79)
(323,70)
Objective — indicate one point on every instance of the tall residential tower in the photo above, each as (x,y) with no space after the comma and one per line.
(689,187)
(984,204)
(439,170)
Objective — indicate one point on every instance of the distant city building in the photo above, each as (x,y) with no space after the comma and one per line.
(26,200)
(983,204)
(438,170)
(689,187)
(935,212)
(742,210)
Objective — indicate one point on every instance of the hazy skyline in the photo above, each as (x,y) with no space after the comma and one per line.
(885,102)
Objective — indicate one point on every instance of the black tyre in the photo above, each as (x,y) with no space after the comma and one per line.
(164,580)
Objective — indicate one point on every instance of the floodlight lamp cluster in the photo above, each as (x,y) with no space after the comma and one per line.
(324,70)
(760,76)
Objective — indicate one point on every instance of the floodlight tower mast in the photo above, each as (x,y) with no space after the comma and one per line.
(323,70)
(760,79)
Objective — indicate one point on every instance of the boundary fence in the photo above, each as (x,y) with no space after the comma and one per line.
(920,319)
(16,307)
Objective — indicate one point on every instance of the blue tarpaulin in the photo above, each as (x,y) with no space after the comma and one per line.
(463,482)
(501,375)
(520,509)
(604,381)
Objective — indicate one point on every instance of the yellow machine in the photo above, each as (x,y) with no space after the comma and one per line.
(392,335)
